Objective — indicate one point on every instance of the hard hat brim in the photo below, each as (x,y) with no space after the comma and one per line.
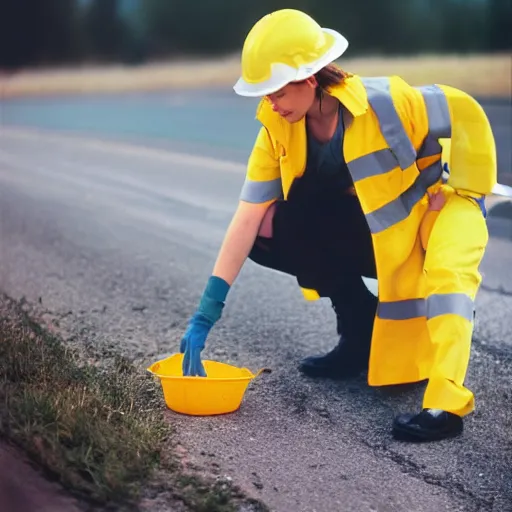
(283,74)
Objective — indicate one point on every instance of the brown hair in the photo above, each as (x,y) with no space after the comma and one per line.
(329,76)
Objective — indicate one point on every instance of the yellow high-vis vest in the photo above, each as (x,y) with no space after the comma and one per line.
(393,146)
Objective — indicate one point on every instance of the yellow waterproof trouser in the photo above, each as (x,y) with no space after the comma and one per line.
(454,253)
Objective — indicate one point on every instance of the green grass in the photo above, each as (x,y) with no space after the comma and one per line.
(99,429)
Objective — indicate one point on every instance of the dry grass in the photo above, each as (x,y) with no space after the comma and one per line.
(100,432)
(480,75)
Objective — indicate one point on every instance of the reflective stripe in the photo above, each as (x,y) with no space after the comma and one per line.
(439,121)
(450,303)
(391,126)
(435,305)
(401,310)
(400,208)
(430,148)
(261,191)
(379,162)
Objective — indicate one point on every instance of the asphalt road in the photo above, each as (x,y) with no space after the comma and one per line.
(117,238)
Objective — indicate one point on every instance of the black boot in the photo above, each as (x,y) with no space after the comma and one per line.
(349,358)
(339,363)
(428,425)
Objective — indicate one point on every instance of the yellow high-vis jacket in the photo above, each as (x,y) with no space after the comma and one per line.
(393,146)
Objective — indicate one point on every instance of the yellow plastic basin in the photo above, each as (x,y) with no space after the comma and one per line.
(221,392)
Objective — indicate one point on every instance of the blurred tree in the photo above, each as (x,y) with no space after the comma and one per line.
(34,32)
(104,30)
(371,26)
(179,27)
(500,24)
(464,25)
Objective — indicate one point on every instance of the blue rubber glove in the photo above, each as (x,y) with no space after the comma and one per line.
(207,314)
(193,343)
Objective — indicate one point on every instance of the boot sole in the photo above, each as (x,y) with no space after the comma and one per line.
(404,434)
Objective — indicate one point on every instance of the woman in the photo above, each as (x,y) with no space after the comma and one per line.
(338,187)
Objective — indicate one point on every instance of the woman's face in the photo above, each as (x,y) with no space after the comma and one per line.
(294,100)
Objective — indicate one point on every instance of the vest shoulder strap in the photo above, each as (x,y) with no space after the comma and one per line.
(381,101)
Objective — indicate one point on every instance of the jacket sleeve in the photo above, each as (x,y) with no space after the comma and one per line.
(459,133)
(263,179)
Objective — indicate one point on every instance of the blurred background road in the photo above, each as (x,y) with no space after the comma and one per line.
(214,122)
(112,210)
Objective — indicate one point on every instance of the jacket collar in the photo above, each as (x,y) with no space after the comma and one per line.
(351,93)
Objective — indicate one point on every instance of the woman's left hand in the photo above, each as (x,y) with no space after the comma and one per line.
(436,201)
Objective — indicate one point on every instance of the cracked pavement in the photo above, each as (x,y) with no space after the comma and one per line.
(112,236)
